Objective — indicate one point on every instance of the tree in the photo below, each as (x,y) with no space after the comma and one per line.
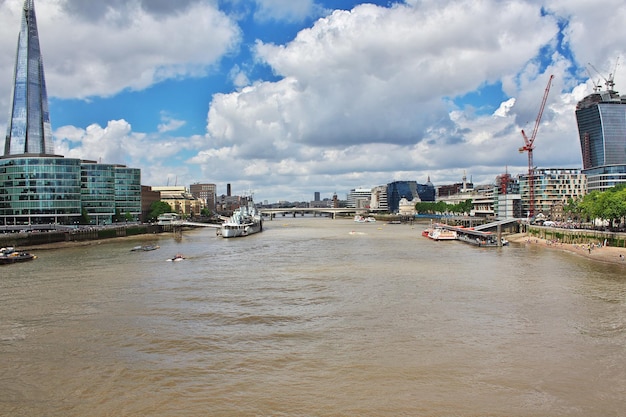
(441,207)
(609,205)
(157,208)
(572,208)
(84,217)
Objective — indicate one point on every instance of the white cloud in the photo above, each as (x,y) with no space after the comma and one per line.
(169,124)
(364,94)
(128,48)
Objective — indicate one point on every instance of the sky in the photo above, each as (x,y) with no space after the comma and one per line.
(285,98)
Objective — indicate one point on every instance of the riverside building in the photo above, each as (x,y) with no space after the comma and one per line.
(553,188)
(39,187)
(601,119)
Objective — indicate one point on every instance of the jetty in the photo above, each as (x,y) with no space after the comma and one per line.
(485,235)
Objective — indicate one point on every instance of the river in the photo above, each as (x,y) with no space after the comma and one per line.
(312,317)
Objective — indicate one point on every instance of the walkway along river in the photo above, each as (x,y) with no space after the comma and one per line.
(312,317)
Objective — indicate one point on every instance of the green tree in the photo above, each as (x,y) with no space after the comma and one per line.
(84,217)
(157,208)
(609,205)
(572,208)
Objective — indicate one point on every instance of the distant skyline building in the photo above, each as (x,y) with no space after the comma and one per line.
(408,190)
(359,198)
(205,193)
(601,119)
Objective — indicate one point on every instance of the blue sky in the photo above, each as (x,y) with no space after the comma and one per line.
(287,97)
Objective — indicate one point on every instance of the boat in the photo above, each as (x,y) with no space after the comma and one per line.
(439,233)
(361,219)
(145,248)
(10,256)
(246,220)
(178,257)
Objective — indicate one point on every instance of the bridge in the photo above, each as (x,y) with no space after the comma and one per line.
(332,212)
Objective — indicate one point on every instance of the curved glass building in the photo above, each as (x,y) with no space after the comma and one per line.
(601,119)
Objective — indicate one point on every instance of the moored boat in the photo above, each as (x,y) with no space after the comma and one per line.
(10,256)
(245,221)
(361,219)
(440,233)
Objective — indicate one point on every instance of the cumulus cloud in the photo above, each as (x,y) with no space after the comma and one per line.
(115,45)
(367,92)
(169,124)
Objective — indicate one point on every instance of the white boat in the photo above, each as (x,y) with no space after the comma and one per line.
(440,233)
(245,221)
(361,219)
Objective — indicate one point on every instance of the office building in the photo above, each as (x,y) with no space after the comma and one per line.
(379,198)
(553,189)
(37,186)
(409,190)
(359,198)
(206,193)
(601,119)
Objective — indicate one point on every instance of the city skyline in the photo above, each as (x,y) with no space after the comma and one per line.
(288,99)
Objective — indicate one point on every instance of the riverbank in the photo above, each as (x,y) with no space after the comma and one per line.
(78,243)
(607,254)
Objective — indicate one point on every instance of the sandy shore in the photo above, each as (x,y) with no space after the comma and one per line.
(606,254)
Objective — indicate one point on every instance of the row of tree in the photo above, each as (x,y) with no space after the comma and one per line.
(609,205)
(440,207)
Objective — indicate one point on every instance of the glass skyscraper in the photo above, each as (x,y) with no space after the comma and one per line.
(29,130)
(601,119)
(39,187)
(409,190)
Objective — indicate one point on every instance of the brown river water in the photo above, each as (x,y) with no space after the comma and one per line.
(312,317)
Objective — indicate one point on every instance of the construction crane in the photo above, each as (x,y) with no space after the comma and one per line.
(608,82)
(529,145)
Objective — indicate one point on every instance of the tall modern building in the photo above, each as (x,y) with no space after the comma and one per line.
(601,119)
(37,186)
(29,130)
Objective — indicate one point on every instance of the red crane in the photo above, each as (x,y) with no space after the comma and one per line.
(529,145)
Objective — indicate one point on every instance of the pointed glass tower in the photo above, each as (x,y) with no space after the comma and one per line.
(29,130)
(38,187)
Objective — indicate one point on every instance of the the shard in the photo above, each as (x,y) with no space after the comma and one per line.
(29,130)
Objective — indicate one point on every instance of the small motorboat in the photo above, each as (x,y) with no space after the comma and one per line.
(176,258)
